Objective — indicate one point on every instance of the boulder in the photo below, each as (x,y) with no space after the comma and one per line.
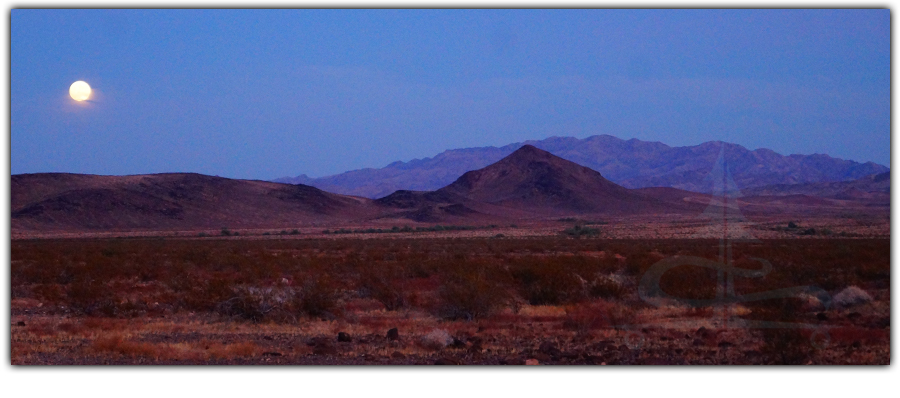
(851,297)
(437,339)
(393,334)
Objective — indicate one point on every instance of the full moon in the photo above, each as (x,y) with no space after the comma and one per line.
(80,91)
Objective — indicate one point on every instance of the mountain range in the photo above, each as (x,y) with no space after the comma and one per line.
(631,164)
(527,184)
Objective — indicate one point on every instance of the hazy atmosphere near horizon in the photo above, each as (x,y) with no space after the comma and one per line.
(262,94)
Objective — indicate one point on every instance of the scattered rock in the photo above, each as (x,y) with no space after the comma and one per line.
(541,357)
(512,361)
(550,349)
(437,339)
(325,350)
(316,341)
(393,334)
(547,347)
(532,361)
(344,337)
(592,359)
(603,345)
(457,343)
(446,361)
(656,361)
(477,345)
(813,303)
(851,296)
(323,346)
(703,332)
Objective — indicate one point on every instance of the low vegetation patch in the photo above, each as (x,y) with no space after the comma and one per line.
(583,292)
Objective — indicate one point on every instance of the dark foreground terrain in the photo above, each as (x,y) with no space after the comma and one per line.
(445,300)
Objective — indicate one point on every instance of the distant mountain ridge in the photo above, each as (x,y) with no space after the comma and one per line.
(632,164)
(875,186)
(528,184)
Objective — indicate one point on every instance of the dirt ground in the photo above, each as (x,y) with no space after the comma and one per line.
(527,294)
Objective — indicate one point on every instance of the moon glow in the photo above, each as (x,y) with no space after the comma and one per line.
(80,91)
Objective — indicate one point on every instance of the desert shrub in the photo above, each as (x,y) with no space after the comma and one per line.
(470,292)
(318,298)
(584,318)
(549,283)
(96,276)
(229,351)
(385,285)
(579,231)
(195,292)
(786,346)
(256,304)
(639,261)
(689,282)
(116,344)
(87,295)
(52,293)
(606,287)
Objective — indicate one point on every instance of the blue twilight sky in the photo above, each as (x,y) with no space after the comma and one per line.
(263,94)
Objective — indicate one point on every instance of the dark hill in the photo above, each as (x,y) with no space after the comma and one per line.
(534,179)
(426,206)
(171,201)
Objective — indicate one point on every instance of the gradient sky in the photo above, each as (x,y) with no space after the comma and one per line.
(270,93)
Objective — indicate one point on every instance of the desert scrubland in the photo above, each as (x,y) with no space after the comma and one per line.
(558,292)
